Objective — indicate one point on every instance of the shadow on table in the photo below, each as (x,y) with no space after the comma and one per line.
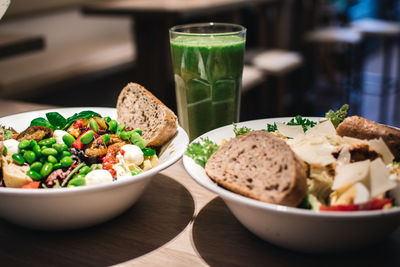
(221,240)
(162,212)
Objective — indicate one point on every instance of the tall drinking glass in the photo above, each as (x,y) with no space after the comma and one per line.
(208,64)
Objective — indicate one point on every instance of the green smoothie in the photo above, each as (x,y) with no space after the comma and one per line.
(208,75)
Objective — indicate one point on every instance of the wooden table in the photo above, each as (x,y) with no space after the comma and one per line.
(152,20)
(176,222)
(12,45)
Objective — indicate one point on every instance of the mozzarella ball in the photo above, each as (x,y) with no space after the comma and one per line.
(132,154)
(98,177)
(11,145)
(58,135)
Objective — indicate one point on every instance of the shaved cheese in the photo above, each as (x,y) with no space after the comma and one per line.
(381,148)
(350,173)
(352,140)
(315,154)
(290,130)
(379,178)
(362,195)
(325,128)
(355,194)
(344,155)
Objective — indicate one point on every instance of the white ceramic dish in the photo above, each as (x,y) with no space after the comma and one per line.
(294,228)
(71,208)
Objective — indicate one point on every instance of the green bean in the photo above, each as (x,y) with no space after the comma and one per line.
(85,170)
(94,125)
(47,142)
(18,158)
(49,151)
(36,166)
(66,161)
(72,173)
(68,139)
(29,156)
(46,169)
(52,159)
(24,144)
(34,175)
(112,125)
(106,138)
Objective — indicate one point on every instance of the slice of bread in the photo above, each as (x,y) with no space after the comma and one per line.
(261,166)
(138,108)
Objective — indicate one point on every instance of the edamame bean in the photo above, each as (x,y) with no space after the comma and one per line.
(139,131)
(148,152)
(29,156)
(37,150)
(57,166)
(34,175)
(49,151)
(85,170)
(47,142)
(24,144)
(87,137)
(135,136)
(33,143)
(66,161)
(120,128)
(77,176)
(36,166)
(135,172)
(64,147)
(94,125)
(46,169)
(5,150)
(141,143)
(18,158)
(57,147)
(52,159)
(68,139)
(79,181)
(112,125)
(65,154)
(106,138)
(125,135)
(107,119)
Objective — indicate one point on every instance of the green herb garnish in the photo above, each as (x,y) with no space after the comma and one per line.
(201,151)
(241,130)
(298,120)
(338,116)
(56,121)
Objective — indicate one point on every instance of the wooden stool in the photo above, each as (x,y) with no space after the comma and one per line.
(277,63)
(387,32)
(349,39)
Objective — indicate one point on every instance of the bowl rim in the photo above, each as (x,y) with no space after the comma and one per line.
(206,182)
(107,186)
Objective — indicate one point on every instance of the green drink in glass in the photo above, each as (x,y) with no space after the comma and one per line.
(208,64)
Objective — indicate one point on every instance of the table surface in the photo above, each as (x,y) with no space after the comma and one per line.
(176,222)
(12,45)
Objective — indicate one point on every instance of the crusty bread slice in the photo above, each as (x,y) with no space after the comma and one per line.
(138,108)
(262,166)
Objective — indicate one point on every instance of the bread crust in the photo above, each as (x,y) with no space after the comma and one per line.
(166,126)
(283,181)
(362,128)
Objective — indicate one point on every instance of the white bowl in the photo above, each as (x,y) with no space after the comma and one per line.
(294,228)
(71,208)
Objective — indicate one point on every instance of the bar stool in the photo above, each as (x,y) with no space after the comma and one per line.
(252,77)
(387,32)
(348,39)
(276,63)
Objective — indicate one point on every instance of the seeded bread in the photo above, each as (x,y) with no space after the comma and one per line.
(362,128)
(261,166)
(138,108)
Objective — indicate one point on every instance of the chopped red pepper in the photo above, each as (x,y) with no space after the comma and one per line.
(110,159)
(374,204)
(78,124)
(78,144)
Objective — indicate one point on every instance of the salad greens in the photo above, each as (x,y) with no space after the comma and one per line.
(201,151)
(56,121)
(338,116)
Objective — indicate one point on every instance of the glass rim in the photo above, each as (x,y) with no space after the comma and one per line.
(240,28)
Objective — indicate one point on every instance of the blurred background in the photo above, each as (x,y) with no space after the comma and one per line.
(302,56)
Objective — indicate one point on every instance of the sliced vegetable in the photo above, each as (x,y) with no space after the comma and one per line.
(31,185)
(374,204)
(338,116)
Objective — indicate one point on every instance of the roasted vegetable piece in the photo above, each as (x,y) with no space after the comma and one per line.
(36,133)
